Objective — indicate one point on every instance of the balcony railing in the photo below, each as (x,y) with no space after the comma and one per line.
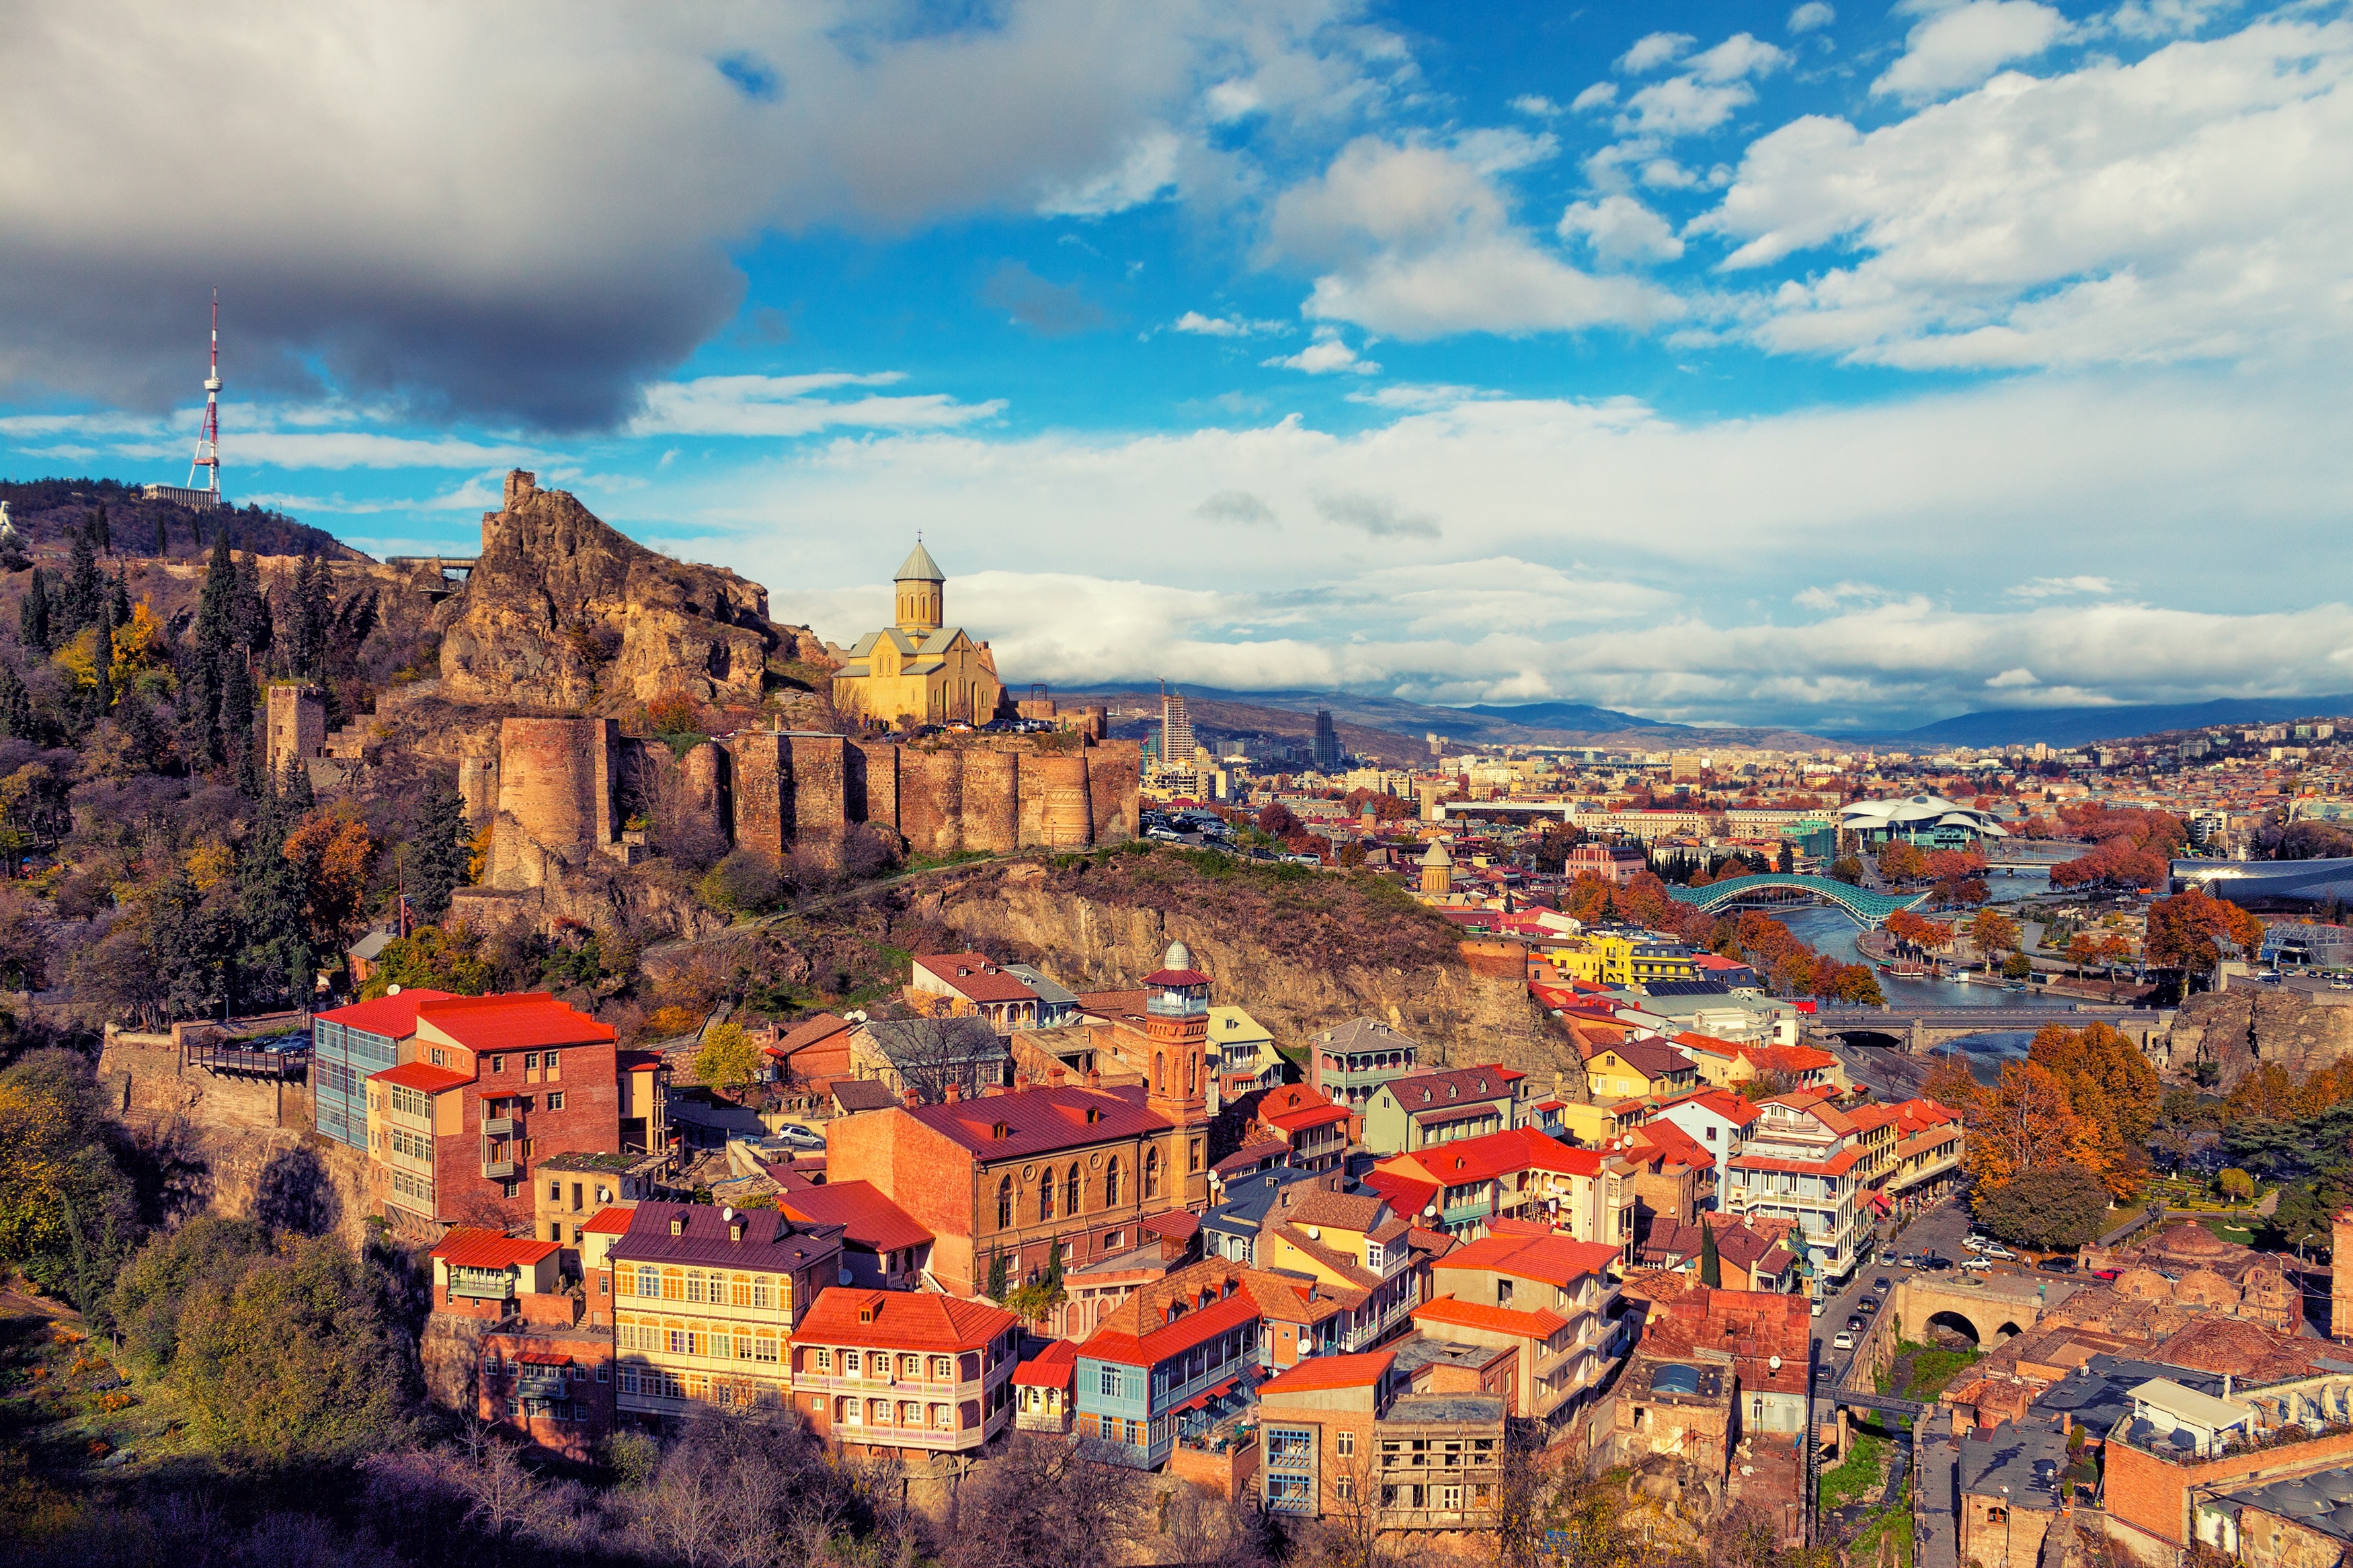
(482,1285)
(543,1385)
(498,1170)
(499,1127)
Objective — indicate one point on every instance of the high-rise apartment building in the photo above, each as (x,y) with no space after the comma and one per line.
(1176,743)
(1327,742)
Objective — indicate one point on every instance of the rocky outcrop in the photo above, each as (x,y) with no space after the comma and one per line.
(2247,1025)
(563,612)
(1093,941)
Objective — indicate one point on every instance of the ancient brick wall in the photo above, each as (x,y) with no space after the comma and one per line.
(477,786)
(1053,800)
(705,796)
(820,793)
(2152,1494)
(992,811)
(931,799)
(870,782)
(1114,771)
(556,785)
(764,792)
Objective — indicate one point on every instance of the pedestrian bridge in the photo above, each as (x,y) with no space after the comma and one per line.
(1867,909)
(1990,1310)
(1917,1028)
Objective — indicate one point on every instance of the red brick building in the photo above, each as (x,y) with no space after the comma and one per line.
(899,1369)
(545,1375)
(482,1084)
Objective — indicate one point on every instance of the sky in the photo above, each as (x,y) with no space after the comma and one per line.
(1831,364)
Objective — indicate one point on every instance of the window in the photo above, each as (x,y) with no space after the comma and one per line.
(674,1285)
(1152,1173)
(555,1192)
(943,1369)
(1343,1489)
(694,1285)
(764,1349)
(1109,1383)
(1110,1182)
(1071,1191)
(1289,1445)
(1345,1444)
(739,1290)
(849,1360)
(823,1359)
(555,1101)
(1005,1204)
(498,1064)
(763,1291)
(1046,1194)
(548,1061)
(1193,1155)
(911,1366)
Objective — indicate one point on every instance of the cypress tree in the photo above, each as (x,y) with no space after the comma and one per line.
(122,597)
(77,604)
(216,602)
(162,535)
(250,607)
(101,533)
(440,851)
(1711,1266)
(275,947)
(107,626)
(295,795)
(33,614)
(15,705)
(236,725)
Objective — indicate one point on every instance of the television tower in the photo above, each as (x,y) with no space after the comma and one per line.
(208,438)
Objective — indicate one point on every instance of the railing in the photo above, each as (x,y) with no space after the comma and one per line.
(252,1061)
(482,1287)
(498,1170)
(543,1385)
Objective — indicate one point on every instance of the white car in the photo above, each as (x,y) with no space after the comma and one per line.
(1977,1266)
(1977,1243)
(1845,1342)
(1998,1250)
(1818,1309)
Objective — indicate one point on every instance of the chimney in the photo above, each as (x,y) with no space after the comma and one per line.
(913,1100)
(1055,1075)
(956,1091)
(1021,1080)
(1094,1078)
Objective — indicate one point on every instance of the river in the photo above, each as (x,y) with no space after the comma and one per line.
(1830,932)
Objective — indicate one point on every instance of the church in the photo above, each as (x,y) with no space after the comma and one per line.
(919,670)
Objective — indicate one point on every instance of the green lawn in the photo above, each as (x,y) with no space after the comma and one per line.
(2241,1235)
(1858,1473)
(1933,1368)
(1894,1525)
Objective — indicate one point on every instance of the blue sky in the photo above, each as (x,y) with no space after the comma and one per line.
(1837,365)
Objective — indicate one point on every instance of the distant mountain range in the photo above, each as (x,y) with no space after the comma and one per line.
(2075,726)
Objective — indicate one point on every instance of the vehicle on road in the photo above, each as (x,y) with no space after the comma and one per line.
(1886,1255)
(1882,1283)
(1818,1310)
(2057,1266)
(1867,1306)
(1843,1343)
(1855,1323)
(1911,1260)
(2106,1275)
(1977,1266)
(1936,1263)
(2001,1252)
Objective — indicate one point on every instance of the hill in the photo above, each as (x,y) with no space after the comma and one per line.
(45,512)
(2076,726)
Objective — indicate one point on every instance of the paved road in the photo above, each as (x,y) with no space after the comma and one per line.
(1937,1525)
(1939,1230)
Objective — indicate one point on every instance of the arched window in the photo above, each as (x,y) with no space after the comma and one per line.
(1046,1194)
(1071,1191)
(1152,1173)
(1111,1182)
(1192,1072)
(1005,1204)
(1160,1073)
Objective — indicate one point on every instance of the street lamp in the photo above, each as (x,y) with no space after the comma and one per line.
(2005,1527)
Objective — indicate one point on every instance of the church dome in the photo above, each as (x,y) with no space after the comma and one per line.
(919,567)
(1178,957)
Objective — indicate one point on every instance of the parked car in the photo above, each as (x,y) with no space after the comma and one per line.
(1867,1306)
(1886,1255)
(1935,1264)
(2057,1266)
(1882,1283)
(1977,1266)
(2001,1252)
(1843,1343)
(1911,1260)
(2106,1275)
(800,1137)
(1818,1310)
(1855,1323)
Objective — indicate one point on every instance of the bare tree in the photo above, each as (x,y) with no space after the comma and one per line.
(1049,1504)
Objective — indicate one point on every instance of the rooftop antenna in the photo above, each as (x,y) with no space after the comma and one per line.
(208,438)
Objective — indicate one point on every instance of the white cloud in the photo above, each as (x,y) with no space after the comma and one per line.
(2062,587)
(1415,244)
(1536,105)
(1499,152)
(1960,47)
(1811,17)
(1148,170)
(1830,599)
(2164,18)
(1199,325)
(1684,106)
(781,406)
(1620,231)
(2011,677)
(1738,55)
(1653,50)
(2187,206)
(1326,354)
(1599,96)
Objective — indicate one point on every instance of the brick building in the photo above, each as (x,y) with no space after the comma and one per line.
(1345,1436)
(348,1045)
(550,1384)
(571,1189)
(2179,1448)
(1068,1168)
(2012,1493)
(879,1369)
(972,986)
(705,1301)
(483,1084)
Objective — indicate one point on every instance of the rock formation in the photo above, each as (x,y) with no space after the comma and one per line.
(562,611)
(2241,1029)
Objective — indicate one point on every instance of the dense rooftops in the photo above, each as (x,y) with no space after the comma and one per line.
(515,1022)
(394,1016)
(901,1319)
(1041,1120)
(699,1233)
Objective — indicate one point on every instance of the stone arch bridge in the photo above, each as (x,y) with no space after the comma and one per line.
(1918,1028)
(1991,1310)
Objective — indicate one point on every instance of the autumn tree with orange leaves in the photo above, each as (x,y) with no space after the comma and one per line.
(337,855)
(2084,1097)
(2188,931)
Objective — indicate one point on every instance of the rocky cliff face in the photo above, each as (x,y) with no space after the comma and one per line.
(1092,939)
(565,612)
(2247,1025)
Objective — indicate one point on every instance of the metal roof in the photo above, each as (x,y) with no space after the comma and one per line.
(919,567)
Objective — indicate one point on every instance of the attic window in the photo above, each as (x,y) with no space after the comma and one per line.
(1000,1130)
(678,1227)
(1093,1114)
(865,1314)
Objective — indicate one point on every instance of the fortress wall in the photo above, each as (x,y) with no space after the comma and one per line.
(1114,771)
(992,806)
(818,767)
(704,796)
(1054,809)
(478,784)
(931,800)
(555,783)
(764,792)
(870,782)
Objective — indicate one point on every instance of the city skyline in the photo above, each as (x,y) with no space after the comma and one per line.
(1839,366)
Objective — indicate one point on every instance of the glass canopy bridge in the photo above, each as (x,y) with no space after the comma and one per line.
(1772,890)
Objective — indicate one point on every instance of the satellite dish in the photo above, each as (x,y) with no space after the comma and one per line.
(1315,1233)
(842,1277)
(1430,1211)
(728,1214)
(392,989)
(1773,1362)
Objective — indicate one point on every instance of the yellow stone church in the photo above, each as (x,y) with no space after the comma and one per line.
(919,668)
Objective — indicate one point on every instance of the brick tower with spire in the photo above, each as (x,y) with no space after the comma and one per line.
(1176,1021)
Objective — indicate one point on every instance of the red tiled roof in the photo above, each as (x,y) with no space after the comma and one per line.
(1406,1194)
(1539,1325)
(422,1076)
(1436,1090)
(1177,1225)
(391,1016)
(1042,1121)
(1788,1059)
(1836,1165)
(1112,1004)
(515,1022)
(1651,1058)
(488,1249)
(1166,977)
(865,1217)
(974,975)
(1555,1259)
(1314,1116)
(1286,1099)
(1052,1367)
(609,1222)
(1167,1339)
(1675,1143)
(810,1032)
(1331,1371)
(901,1319)
(1487,1157)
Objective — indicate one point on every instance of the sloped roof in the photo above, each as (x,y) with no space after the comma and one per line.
(1041,1120)
(423,1075)
(1138,1332)
(1052,1367)
(901,1319)
(1331,1371)
(612,1221)
(867,1218)
(1538,1325)
(518,1021)
(927,1041)
(810,1032)
(1492,1154)
(391,1016)
(772,1241)
(1365,1034)
(1439,1091)
(864,1094)
(974,975)
(1651,1058)
(467,1248)
(919,567)
(1554,1259)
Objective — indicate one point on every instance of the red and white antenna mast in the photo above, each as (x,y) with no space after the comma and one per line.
(208,438)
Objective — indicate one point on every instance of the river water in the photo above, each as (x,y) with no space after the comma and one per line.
(1830,932)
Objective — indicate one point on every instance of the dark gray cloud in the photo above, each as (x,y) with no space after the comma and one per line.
(1237,506)
(1381,519)
(1049,309)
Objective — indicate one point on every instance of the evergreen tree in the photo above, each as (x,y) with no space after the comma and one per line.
(104,659)
(100,533)
(276,943)
(295,794)
(183,944)
(15,705)
(314,616)
(215,626)
(162,535)
(250,609)
(236,725)
(77,604)
(439,852)
(1711,1266)
(33,615)
(121,592)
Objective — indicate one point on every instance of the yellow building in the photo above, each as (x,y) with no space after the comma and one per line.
(919,670)
(1625,960)
(1634,1067)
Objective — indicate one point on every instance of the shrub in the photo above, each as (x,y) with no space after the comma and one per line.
(744,883)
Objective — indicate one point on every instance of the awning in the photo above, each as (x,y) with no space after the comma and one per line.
(1221,1390)
(542,1358)
(1879,1201)
(1194,1403)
